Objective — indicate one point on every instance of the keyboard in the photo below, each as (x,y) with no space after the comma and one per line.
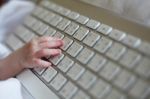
(97,60)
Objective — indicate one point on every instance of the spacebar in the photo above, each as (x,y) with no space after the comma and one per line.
(35,86)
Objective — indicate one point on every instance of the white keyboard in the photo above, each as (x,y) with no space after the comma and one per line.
(98,62)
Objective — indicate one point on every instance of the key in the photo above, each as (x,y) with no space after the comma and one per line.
(103,45)
(140,90)
(36,26)
(87,80)
(131,41)
(37,11)
(104,29)
(67,43)
(24,34)
(75,72)
(81,33)
(55,20)
(82,19)
(42,29)
(100,89)
(114,94)
(124,80)
(74,49)
(73,15)
(30,21)
(64,11)
(96,63)
(130,59)
(143,68)
(49,74)
(109,71)
(58,35)
(93,24)
(65,64)
(14,43)
(55,60)
(145,48)
(63,24)
(68,90)
(83,57)
(72,28)
(39,70)
(43,14)
(28,36)
(50,32)
(116,51)
(117,35)
(91,39)
(49,17)
(58,82)
(81,95)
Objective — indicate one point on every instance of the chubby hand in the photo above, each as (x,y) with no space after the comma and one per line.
(30,55)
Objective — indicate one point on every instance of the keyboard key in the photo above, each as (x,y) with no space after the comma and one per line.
(91,39)
(81,33)
(64,11)
(100,89)
(44,13)
(131,41)
(114,94)
(63,24)
(87,80)
(143,68)
(49,74)
(42,29)
(116,51)
(93,24)
(130,59)
(74,49)
(73,15)
(24,34)
(55,20)
(58,82)
(103,45)
(109,71)
(50,32)
(81,95)
(140,90)
(124,80)
(49,17)
(83,57)
(117,35)
(58,35)
(72,28)
(65,64)
(96,63)
(68,90)
(104,29)
(67,43)
(55,60)
(30,21)
(14,43)
(37,10)
(39,70)
(82,19)
(75,72)
(145,48)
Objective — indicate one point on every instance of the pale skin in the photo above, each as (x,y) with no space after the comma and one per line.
(29,56)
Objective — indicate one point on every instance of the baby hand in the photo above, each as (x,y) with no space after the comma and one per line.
(30,55)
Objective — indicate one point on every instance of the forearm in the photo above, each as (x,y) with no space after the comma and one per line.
(9,68)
